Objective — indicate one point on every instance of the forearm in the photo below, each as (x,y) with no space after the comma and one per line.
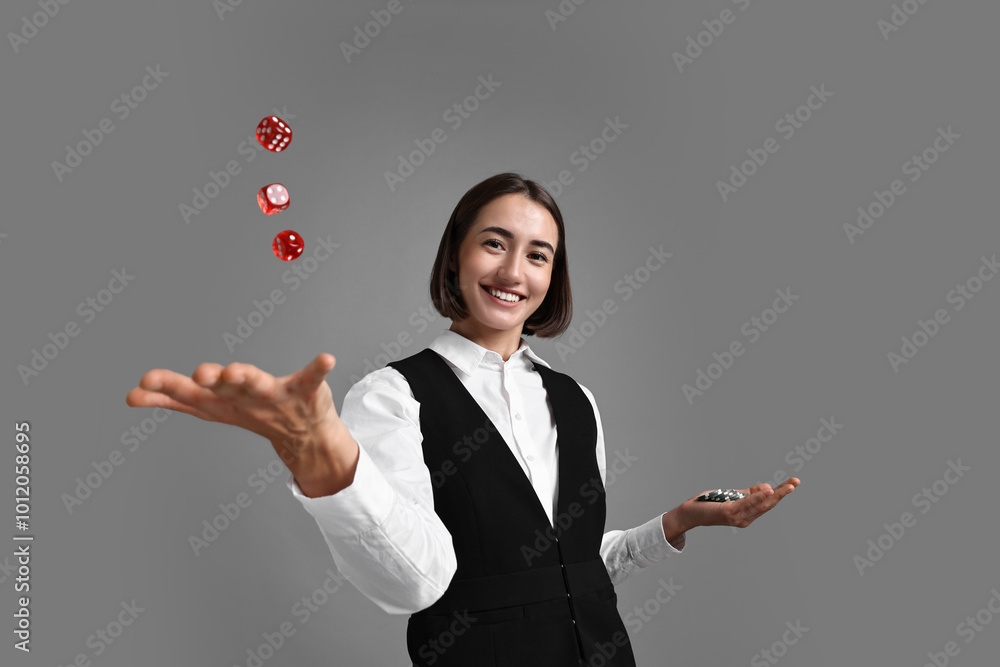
(675,524)
(628,551)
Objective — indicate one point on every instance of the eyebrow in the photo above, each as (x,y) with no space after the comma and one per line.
(505,233)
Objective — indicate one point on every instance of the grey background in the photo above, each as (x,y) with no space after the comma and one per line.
(825,357)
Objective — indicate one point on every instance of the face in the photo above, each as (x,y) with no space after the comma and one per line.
(510,247)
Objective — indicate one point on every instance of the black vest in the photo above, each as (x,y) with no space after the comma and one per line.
(525,593)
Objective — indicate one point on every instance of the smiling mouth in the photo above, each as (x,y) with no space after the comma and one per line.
(487,290)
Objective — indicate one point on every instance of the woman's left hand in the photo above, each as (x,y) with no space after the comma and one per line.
(740,513)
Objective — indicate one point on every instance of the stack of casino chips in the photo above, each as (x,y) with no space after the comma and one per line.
(722,495)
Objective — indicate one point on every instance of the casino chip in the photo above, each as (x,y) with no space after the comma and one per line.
(721,495)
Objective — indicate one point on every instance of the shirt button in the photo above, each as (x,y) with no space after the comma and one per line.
(530,457)
(517,415)
(574,621)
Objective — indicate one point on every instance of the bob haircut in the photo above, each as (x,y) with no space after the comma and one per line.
(551,318)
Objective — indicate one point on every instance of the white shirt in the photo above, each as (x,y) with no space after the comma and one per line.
(382,530)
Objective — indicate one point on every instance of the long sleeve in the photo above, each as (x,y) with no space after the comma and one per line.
(625,551)
(382,530)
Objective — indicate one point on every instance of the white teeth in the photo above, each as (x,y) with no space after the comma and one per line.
(503,295)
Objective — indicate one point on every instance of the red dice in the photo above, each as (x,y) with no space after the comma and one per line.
(288,245)
(274,134)
(273,198)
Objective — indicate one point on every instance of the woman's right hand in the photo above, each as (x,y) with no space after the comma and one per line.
(295,412)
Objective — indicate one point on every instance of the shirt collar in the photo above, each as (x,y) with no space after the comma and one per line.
(467,355)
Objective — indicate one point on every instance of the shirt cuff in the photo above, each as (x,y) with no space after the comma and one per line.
(648,543)
(356,509)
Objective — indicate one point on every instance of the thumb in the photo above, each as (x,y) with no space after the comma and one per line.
(315,372)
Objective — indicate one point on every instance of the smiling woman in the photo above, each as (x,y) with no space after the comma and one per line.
(507,274)
(435,481)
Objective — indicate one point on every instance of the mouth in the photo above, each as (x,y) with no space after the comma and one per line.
(500,301)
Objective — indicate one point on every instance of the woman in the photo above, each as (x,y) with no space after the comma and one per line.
(477,503)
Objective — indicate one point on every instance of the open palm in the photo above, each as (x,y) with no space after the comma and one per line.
(741,513)
(288,409)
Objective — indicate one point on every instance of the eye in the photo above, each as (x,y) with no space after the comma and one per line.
(541,257)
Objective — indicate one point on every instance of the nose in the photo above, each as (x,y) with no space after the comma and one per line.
(509,268)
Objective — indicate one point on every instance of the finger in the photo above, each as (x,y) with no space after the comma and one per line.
(141,398)
(258,383)
(309,378)
(207,374)
(232,380)
(179,387)
(759,488)
(786,488)
(766,502)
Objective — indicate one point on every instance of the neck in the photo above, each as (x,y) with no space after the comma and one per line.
(504,343)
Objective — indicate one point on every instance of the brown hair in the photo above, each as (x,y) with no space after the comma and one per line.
(556,312)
